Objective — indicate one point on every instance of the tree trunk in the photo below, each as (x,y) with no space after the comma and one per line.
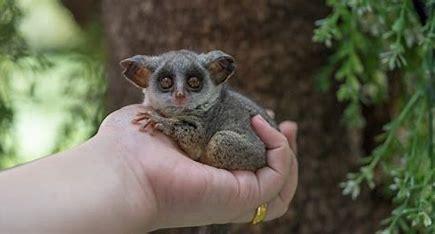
(271,41)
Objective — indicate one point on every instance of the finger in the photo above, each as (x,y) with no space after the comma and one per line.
(274,184)
(271,179)
(271,183)
(279,158)
(278,206)
(256,189)
(270,136)
(249,194)
(271,113)
(288,191)
(290,129)
(278,153)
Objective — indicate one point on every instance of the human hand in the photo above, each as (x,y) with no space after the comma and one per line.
(182,192)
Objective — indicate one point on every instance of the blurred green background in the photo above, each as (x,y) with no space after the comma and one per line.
(51,80)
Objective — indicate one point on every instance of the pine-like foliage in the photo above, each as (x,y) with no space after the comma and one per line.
(371,40)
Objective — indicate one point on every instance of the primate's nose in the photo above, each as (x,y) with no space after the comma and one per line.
(179,94)
(179,98)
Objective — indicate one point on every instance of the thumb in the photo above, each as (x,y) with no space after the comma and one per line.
(290,130)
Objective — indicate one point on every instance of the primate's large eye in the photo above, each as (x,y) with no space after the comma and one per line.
(166,83)
(194,82)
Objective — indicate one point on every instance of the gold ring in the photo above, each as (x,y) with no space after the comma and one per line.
(260,214)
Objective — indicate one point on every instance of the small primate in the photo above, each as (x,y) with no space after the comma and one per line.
(187,99)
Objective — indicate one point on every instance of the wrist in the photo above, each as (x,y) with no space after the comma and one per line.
(135,201)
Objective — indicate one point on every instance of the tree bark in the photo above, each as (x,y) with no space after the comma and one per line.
(272,43)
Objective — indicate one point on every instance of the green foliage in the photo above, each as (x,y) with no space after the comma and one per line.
(86,87)
(12,47)
(371,40)
(82,81)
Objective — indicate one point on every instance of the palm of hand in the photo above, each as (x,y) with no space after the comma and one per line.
(189,193)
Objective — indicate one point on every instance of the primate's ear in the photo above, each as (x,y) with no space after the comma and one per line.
(220,65)
(138,69)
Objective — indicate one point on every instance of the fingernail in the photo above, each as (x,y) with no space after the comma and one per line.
(262,120)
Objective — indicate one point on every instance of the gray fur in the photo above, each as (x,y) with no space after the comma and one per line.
(214,125)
